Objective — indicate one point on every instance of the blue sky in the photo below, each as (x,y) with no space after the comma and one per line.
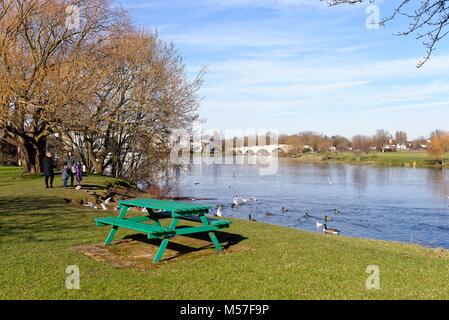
(296,65)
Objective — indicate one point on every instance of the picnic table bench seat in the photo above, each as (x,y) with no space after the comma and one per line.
(134,225)
(157,209)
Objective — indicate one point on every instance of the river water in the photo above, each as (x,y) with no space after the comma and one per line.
(401,204)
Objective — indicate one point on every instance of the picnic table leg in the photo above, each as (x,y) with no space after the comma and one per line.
(113,231)
(212,235)
(160,251)
(215,241)
(111,235)
(153,218)
(164,242)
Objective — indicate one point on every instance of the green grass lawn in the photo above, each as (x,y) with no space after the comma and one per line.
(39,234)
(401,159)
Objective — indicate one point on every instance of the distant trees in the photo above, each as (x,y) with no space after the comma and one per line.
(381,138)
(361,143)
(400,137)
(324,144)
(295,141)
(439,144)
(310,141)
(419,143)
(340,142)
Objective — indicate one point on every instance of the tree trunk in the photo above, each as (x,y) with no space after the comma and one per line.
(98,167)
(31,152)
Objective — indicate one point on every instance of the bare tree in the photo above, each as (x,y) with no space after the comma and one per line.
(340,142)
(41,68)
(428,19)
(419,143)
(142,95)
(295,141)
(311,139)
(361,143)
(400,137)
(381,138)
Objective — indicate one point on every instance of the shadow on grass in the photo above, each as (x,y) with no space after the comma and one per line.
(37,218)
(226,239)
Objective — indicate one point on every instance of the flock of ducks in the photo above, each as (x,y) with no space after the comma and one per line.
(237,201)
(323,225)
(319,225)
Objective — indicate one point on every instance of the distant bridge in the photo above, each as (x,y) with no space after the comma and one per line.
(262,150)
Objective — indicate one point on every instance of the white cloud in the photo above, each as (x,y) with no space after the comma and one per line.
(295,88)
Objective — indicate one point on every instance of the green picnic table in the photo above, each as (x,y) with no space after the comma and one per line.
(151,226)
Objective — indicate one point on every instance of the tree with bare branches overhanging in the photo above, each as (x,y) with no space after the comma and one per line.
(141,95)
(41,68)
(428,20)
(112,94)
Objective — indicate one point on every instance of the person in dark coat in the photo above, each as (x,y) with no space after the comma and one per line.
(48,168)
(72,163)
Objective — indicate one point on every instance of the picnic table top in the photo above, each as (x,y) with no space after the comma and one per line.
(168,205)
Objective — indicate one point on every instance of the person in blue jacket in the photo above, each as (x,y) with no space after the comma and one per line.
(65,174)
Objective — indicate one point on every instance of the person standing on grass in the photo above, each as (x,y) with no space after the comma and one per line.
(65,175)
(71,163)
(79,174)
(48,167)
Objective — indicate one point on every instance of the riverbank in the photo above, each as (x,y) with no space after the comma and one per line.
(41,234)
(396,159)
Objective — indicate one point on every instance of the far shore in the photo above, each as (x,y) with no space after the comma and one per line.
(407,159)
(388,159)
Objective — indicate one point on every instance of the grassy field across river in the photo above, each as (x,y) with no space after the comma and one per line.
(42,232)
(400,159)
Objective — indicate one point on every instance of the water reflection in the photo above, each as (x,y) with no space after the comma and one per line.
(437,181)
(359,178)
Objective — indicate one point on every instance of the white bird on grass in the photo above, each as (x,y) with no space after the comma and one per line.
(90,205)
(218,212)
(107,201)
